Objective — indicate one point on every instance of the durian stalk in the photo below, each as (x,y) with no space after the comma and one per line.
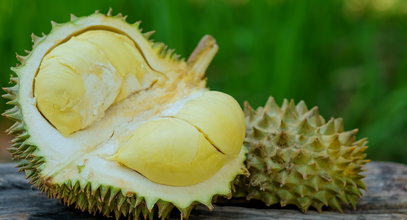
(203,54)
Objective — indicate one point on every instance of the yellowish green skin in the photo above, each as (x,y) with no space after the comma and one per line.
(173,142)
(297,158)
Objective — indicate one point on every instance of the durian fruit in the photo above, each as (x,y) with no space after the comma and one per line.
(297,158)
(110,122)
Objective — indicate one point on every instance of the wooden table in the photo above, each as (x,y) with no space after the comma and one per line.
(386,199)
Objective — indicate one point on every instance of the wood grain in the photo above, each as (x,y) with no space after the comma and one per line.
(386,198)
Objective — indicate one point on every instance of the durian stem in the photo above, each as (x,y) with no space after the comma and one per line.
(203,54)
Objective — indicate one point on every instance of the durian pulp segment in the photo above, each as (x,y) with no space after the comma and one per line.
(219,117)
(96,108)
(179,150)
(79,79)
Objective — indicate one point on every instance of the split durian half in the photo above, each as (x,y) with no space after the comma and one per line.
(113,123)
(297,158)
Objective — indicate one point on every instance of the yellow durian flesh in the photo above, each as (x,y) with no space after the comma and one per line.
(180,150)
(218,116)
(79,79)
(171,152)
(74,89)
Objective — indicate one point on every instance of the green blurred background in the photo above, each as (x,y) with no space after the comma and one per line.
(347,57)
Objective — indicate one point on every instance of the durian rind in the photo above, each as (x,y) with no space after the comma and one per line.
(99,197)
(297,158)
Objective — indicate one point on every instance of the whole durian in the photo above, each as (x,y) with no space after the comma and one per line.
(297,158)
(110,122)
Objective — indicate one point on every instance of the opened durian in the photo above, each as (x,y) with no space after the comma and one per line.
(112,123)
(297,158)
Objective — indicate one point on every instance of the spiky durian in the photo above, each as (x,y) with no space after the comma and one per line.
(296,157)
(112,123)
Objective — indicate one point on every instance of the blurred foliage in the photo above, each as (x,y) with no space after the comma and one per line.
(347,57)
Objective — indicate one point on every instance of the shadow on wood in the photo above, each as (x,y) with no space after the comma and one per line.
(386,199)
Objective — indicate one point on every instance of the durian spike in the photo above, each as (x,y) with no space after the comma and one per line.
(73,17)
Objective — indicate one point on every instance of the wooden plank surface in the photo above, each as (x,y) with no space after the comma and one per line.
(386,199)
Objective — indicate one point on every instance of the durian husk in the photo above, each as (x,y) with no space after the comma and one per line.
(297,158)
(96,198)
